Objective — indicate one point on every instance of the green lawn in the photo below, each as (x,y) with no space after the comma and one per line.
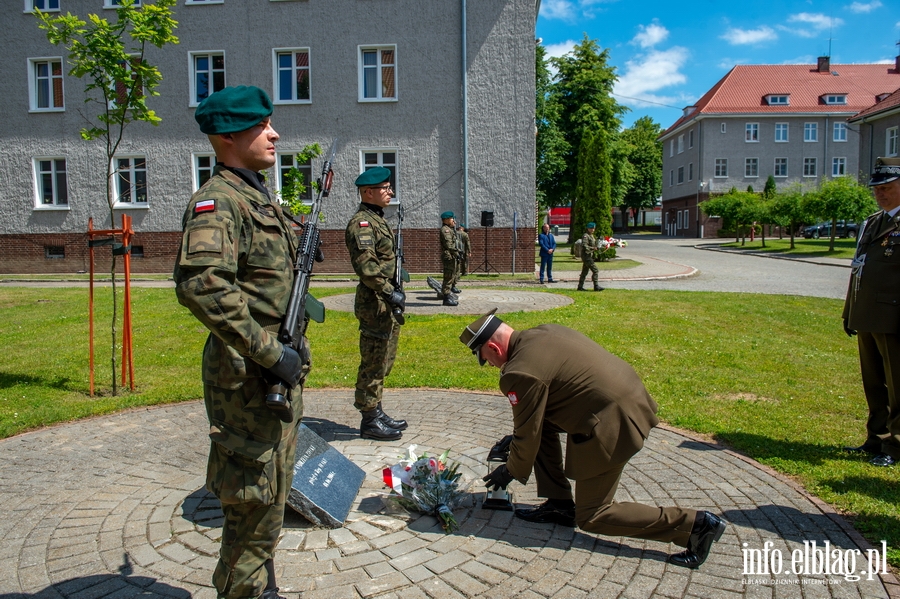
(564,260)
(774,377)
(805,248)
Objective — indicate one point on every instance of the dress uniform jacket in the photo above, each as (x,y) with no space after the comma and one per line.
(873,297)
(558,376)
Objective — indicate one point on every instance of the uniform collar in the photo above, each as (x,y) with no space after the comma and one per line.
(251,178)
(376,209)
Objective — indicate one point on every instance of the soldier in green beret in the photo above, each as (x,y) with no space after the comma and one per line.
(370,241)
(234,273)
(588,253)
(466,251)
(450,253)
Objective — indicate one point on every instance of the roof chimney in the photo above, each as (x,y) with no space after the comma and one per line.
(824,64)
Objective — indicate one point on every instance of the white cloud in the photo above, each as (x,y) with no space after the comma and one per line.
(860,7)
(564,10)
(817,21)
(557,50)
(649,73)
(737,37)
(650,35)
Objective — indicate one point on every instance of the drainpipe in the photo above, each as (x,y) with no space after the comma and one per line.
(465,119)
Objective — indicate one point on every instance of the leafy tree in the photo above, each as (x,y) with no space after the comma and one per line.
(840,199)
(770,188)
(551,147)
(293,186)
(736,208)
(645,157)
(110,57)
(593,187)
(787,209)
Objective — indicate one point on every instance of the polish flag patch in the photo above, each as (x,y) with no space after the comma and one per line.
(363,223)
(205,206)
(513,398)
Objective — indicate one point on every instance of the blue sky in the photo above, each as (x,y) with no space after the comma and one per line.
(668,54)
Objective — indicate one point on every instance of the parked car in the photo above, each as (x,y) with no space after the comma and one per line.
(844,229)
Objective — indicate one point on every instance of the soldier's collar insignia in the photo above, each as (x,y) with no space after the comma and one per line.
(363,223)
(205,206)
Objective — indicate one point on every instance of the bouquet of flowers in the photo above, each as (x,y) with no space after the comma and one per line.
(428,485)
(607,248)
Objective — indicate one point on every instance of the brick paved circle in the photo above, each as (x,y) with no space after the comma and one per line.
(115,507)
(471,301)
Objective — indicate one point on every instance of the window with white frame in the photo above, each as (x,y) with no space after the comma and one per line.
(721,167)
(207,75)
(779,100)
(685,218)
(809,167)
(204,165)
(118,3)
(131,181)
(671,148)
(292,75)
(120,91)
(840,132)
(691,139)
(51,186)
(781,132)
(691,171)
(288,161)
(46,84)
(387,158)
(42,5)
(751,132)
(189,2)
(671,178)
(722,128)
(378,74)
(751,167)
(836,99)
(781,165)
(678,219)
(681,143)
(810,132)
(838,167)
(890,141)
(680,175)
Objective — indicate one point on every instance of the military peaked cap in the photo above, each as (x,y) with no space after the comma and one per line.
(885,171)
(233,109)
(477,334)
(373,176)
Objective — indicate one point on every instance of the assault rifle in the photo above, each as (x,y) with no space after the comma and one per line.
(302,306)
(400,275)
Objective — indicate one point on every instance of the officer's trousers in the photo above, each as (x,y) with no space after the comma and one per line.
(879,360)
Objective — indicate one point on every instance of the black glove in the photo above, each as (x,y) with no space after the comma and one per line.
(850,332)
(500,451)
(499,478)
(396,298)
(289,367)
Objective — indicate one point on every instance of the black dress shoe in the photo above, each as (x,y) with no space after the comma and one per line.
(708,528)
(883,459)
(548,514)
(372,427)
(864,448)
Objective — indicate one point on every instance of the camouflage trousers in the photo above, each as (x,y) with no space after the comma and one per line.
(376,359)
(250,470)
(588,265)
(451,275)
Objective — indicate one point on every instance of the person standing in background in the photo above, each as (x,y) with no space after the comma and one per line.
(548,247)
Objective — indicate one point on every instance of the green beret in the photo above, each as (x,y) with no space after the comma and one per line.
(447,214)
(373,176)
(591,226)
(233,109)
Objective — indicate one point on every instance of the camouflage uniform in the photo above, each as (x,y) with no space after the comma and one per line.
(370,242)
(466,250)
(449,258)
(588,251)
(234,272)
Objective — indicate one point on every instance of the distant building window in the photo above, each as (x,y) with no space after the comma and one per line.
(838,167)
(386,158)
(680,144)
(691,139)
(751,132)
(292,76)
(137,251)
(779,100)
(721,167)
(42,5)
(781,132)
(204,164)
(810,132)
(286,162)
(671,148)
(890,146)
(680,175)
(54,252)
(131,181)
(46,83)
(840,132)
(691,172)
(722,128)
(781,165)
(751,167)
(117,3)
(207,75)
(377,74)
(809,167)
(51,183)
(204,2)
(836,99)
(671,178)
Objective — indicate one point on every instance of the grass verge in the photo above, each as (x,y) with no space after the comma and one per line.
(806,248)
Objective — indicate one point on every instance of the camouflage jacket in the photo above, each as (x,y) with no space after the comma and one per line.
(370,242)
(234,273)
(588,247)
(466,244)
(449,244)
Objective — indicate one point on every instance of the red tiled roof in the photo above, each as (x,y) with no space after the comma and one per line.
(744,89)
(892,101)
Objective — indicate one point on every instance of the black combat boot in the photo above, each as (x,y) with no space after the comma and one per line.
(399,425)
(372,427)
(450,300)
(455,289)
(598,287)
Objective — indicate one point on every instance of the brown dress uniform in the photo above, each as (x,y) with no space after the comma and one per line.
(234,272)
(560,381)
(872,308)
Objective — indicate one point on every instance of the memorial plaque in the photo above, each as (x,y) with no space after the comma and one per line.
(325,482)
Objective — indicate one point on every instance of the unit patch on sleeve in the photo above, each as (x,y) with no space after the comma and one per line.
(205,206)
(363,223)
(513,398)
